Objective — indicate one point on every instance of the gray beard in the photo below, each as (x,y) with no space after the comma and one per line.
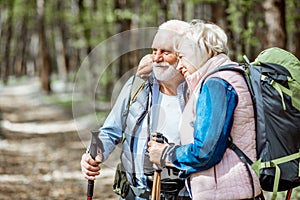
(163,74)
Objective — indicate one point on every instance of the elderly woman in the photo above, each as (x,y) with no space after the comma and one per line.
(218,109)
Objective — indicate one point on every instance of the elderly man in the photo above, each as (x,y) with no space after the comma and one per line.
(157,107)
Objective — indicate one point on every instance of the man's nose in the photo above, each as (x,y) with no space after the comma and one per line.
(158,57)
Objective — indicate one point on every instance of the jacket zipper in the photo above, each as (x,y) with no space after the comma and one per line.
(215,176)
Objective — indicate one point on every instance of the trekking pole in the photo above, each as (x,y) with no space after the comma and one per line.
(155,195)
(156,185)
(289,194)
(95,145)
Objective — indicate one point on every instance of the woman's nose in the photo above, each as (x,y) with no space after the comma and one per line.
(179,66)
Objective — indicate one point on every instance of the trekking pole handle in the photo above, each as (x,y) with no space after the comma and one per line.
(93,153)
(156,187)
(159,137)
(93,147)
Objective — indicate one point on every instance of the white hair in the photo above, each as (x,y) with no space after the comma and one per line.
(169,34)
(177,26)
(210,39)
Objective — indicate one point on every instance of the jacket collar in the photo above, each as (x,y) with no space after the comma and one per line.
(211,64)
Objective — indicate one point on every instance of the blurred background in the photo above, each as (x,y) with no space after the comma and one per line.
(43,44)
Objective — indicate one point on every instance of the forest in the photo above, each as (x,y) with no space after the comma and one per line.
(51,39)
(63,63)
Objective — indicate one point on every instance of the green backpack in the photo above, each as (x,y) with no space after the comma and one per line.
(275,80)
(274,83)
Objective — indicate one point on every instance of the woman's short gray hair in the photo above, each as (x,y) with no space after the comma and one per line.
(210,38)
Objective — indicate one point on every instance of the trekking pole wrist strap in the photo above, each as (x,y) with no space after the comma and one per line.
(165,154)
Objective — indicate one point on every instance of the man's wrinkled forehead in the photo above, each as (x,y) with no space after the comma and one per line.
(165,39)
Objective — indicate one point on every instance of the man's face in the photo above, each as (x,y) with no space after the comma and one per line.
(164,58)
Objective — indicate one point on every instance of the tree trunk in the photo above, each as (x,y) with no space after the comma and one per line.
(134,36)
(9,34)
(44,55)
(181,9)
(21,68)
(123,25)
(24,31)
(164,8)
(62,45)
(296,35)
(260,34)
(202,11)
(177,9)
(219,17)
(87,30)
(228,31)
(275,21)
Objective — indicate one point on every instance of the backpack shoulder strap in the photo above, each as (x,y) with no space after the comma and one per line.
(229,67)
(137,86)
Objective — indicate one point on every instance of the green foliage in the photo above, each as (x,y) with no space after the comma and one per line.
(243,23)
(147,15)
(106,81)
(123,14)
(204,1)
(292,14)
(236,11)
(100,20)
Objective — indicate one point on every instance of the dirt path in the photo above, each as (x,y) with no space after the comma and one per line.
(35,165)
(47,168)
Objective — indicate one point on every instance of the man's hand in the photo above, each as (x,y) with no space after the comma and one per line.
(90,168)
(145,66)
(155,150)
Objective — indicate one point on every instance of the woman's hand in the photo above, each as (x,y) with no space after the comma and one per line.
(155,150)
